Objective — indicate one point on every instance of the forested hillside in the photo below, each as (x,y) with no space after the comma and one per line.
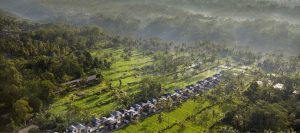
(263,25)
(36,59)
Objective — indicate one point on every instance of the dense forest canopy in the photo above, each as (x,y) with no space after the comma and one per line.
(37,58)
(261,25)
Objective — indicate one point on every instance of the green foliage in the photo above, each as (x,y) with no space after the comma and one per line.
(12,126)
(280,64)
(263,115)
(227,130)
(251,90)
(10,84)
(267,108)
(47,89)
(149,89)
(22,110)
(36,58)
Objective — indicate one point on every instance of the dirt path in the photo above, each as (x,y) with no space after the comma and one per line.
(26,129)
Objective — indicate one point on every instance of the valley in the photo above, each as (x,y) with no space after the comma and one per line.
(160,66)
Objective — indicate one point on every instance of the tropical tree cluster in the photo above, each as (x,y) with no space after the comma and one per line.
(35,59)
(267,108)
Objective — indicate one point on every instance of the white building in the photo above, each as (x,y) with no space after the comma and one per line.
(278,86)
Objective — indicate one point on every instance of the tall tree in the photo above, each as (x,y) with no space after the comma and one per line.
(22,110)
(150,89)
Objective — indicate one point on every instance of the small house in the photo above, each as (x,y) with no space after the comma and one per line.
(80,128)
(137,107)
(95,122)
(74,83)
(278,86)
(71,129)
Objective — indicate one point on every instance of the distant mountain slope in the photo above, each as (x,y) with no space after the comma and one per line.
(264,26)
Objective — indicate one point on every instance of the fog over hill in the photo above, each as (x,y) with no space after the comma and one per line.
(263,25)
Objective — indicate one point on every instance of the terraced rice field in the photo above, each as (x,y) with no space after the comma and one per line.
(95,103)
(121,69)
(177,120)
(205,115)
(204,110)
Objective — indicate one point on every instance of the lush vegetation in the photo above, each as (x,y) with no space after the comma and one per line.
(37,59)
(239,104)
(262,25)
(266,107)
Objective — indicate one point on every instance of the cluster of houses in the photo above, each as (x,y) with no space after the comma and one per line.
(121,118)
(269,82)
(278,86)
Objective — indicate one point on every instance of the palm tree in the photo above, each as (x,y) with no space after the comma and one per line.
(238,121)
(160,118)
(169,104)
(194,97)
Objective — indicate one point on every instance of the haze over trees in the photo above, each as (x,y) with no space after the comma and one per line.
(261,25)
(65,62)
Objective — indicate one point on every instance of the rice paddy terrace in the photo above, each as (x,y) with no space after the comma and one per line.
(194,115)
(99,103)
(118,119)
(128,72)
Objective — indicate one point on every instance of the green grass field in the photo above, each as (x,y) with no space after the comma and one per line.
(206,114)
(151,124)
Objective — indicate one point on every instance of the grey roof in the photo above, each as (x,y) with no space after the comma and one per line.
(92,77)
(111,120)
(95,120)
(72,81)
(116,113)
(133,112)
(162,99)
(131,108)
(103,119)
(137,106)
(153,100)
(89,78)
(80,126)
(176,94)
(72,127)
